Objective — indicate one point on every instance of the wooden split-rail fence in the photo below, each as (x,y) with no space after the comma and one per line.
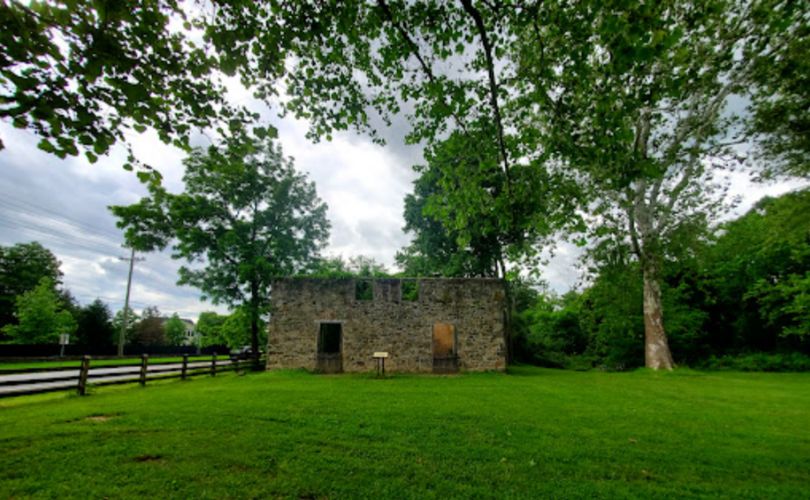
(39,380)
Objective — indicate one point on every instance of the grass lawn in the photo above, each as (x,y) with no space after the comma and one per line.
(95,363)
(532,434)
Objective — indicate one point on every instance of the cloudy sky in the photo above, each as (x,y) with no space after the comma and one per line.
(63,205)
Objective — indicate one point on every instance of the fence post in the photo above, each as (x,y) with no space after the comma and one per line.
(144,364)
(185,367)
(235,364)
(213,364)
(85,368)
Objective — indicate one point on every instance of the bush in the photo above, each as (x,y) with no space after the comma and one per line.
(760,362)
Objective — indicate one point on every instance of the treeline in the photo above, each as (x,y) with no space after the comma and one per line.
(739,299)
(36,309)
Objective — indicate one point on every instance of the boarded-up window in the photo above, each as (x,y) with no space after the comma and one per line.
(445,359)
(444,340)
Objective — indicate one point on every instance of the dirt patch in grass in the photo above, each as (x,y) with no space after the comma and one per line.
(149,458)
(99,418)
(94,418)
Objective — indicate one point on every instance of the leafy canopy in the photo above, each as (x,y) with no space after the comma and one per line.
(82,74)
(175,330)
(22,267)
(246,216)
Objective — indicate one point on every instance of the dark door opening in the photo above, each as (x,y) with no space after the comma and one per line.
(330,346)
(445,357)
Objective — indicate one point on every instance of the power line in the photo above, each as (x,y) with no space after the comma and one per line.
(60,220)
(25,205)
(59,238)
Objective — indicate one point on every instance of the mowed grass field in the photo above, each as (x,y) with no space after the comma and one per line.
(533,433)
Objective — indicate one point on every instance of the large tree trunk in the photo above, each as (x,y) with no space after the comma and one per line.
(254,324)
(656,348)
(254,339)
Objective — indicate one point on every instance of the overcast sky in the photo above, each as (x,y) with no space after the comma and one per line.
(63,205)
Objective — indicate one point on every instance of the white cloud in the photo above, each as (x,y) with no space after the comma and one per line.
(63,204)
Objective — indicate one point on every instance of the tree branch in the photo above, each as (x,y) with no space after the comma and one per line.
(493,83)
(414,49)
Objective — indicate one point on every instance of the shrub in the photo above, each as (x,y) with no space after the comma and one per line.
(760,362)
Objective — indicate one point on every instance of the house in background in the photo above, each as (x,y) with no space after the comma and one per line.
(191,332)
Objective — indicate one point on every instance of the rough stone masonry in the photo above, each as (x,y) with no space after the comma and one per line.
(437,324)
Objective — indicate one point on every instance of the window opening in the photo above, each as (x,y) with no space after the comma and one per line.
(410,290)
(362,290)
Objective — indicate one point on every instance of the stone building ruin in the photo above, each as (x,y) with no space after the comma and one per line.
(425,325)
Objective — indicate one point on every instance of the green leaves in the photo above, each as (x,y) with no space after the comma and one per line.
(40,316)
(245,212)
(93,70)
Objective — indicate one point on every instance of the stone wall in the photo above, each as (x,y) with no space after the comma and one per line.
(402,328)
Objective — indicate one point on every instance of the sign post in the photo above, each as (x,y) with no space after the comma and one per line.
(64,339)
(380,357)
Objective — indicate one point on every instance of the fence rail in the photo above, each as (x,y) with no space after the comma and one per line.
(85,375)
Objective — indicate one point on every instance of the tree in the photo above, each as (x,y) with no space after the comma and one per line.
(40,319)
(82,74)
(629,103)
(236,329)
(149,331)
(436,248)
(245,211)
(756,272)
(175,330)
(338,267)
(22,267)
(780,122)
(95,326)
(118,321)
(642,116)
(209,328)
(345,64)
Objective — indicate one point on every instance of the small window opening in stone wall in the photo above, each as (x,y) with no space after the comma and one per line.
(410,290)
(362,290)
(329,338)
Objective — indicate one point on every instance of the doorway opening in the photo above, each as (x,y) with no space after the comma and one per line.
(445,355)
(330,347)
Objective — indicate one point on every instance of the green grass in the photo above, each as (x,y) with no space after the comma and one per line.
(95,363)
(532,434)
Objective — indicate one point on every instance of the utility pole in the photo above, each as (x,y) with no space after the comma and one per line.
(125,323)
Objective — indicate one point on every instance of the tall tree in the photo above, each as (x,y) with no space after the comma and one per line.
(149,330)
(22,267)
(641,113)
(81,74)
(175,330)
(354,64)
(245,211)
(435,248)
(40,317)
(95,327)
